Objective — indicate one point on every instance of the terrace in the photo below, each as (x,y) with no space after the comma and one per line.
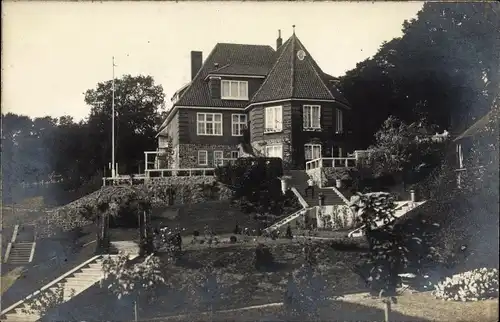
(154,171)
(338,162)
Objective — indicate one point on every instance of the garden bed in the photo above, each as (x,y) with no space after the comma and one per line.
(240,283)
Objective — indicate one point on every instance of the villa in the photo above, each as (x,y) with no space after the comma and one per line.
(289,106)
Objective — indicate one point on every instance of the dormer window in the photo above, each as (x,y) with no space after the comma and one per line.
(234,90)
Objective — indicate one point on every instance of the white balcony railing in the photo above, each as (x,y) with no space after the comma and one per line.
(339,162)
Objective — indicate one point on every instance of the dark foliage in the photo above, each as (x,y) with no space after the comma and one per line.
(257,188)
(263,257)
(233,239)
(436,70)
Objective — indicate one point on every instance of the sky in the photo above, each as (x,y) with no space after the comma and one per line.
(54,51)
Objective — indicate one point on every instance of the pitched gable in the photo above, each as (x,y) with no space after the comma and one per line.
(227,58)
(291,77)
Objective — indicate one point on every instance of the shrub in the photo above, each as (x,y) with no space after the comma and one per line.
(305,294)
(196,233)
(475,285)
(346,244)
(263,257)
(233,239)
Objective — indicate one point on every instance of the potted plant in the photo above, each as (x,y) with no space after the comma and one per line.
(284,183)
(340,175)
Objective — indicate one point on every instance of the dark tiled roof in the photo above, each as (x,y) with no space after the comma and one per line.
(225,55)
(238,69)
(291,77)
(286,76)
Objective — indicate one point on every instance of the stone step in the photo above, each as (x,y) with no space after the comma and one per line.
(88,276)
(20,317)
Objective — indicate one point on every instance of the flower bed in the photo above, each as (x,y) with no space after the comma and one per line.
(475,285)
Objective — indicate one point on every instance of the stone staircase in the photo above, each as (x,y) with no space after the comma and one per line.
(72,283)
(285,220)
(21,248)
(20,253)
(131,248)
(299,181)
(402,208)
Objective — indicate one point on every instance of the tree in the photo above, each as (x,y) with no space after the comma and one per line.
(446,61)
(136,281)
(406,150)
(257,189)
(138,104)
(375,212)
(306,290)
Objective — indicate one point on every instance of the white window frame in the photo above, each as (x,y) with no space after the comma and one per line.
(239,124)
(308,110)
(339,121)
(230,84)
(312,147)
(233,154)
(274,146)
(218,161)
(202,152)
(273,119)
(201,118)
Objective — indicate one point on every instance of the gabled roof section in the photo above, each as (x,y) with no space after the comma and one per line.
(481,125)
(292,78)
(251,59)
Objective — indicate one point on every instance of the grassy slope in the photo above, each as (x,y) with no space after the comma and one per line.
(53,258)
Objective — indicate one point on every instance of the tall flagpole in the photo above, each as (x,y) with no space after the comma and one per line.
(113,165)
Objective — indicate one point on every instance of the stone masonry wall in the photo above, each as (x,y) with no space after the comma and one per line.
(188,154)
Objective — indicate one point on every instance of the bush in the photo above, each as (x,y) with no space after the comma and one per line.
(196,233)
(233,239)
(475,285)
(347,244)
(263,257)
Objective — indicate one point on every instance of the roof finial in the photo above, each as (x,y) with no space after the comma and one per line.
(293,26)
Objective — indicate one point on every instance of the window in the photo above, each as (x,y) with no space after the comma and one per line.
(235,154)
(274,151)
(202,157)
(274,119)
(239,122)
(339,127)
(311,115)
(218,158)
(312,151)
(209,124)
(234,90)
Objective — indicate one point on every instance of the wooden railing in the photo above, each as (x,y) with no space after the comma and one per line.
(340,162)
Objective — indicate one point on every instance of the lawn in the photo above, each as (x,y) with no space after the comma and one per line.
(426,306)
(239,282)
(9,279)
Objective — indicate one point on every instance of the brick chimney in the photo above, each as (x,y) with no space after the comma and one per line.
(196,62)
(279,41)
